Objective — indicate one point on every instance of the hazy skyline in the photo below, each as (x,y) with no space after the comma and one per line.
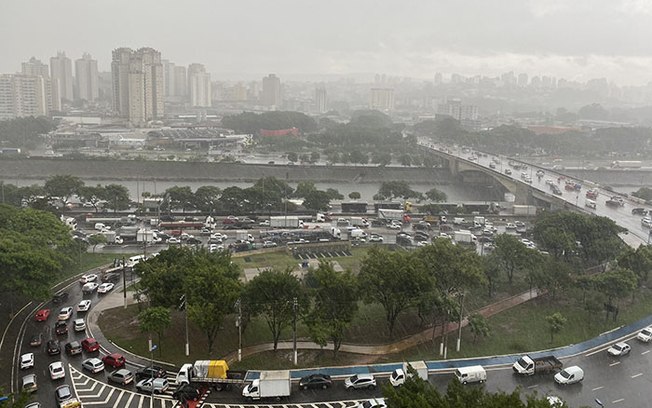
(580,39)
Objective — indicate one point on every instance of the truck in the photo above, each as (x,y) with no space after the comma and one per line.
(319,217)
(357,234)
(626,164)
(399,376)
(244,235)
(183,225)
(359,222)
(270,385)
(213,373)
(143,235)
(527,210)
(281,221)
(464,237)
(527,365)
(478,221)
(390,215)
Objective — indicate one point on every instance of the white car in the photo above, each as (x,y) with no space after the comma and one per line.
(26,361)
(84,305)
(57,371)
(91,277)
(173,240)
(79,325)
(645,335)
(376,238)
(555,401)
(65,313)
(373,403)
(105,287)
(90,287)
(619,349)
(394,226)
(510,226)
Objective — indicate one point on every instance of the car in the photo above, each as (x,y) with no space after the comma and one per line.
(33,405)
(111,277)
(94,365)
(42,315)
(639,211)
(53,347)
(91,277)
(555,401)
(36,340)
(79,325)
(90,345)
(193,241)
(26,361)
(394,226)
(29,383)
(269,244)
(619,349)
(73,348)
(264,223)
(173,240)
(63,393)
(376,238)
(56,370)
(60,298)
(373,403)
(569,375)
(360,381)
(121,376)
(61,327)
(65,313)
(160,385)
(645,335)
(84,305)
(89,287)
(186,393)
(508,172)
(151,371)
(114,360)
(105,287)
(321,381)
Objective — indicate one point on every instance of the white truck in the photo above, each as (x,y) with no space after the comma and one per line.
(281,221)
(244,235)
(400,375)
(359,222)
(390,215)
(464,237)
(478,221)
(270,385)
(357,234)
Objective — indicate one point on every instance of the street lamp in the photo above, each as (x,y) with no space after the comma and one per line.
(151,357)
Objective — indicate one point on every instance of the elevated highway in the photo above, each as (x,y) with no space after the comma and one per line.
(474,166)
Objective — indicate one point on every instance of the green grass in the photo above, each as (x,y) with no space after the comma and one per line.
(282,259)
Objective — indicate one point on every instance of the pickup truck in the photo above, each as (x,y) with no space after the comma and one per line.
(527,365)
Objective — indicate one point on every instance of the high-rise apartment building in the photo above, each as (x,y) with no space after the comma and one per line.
(86,78)
(61,74)
(199,86)
(23,95)
(38,68)
(168,78)
(382,99)
(272,91)
(321,100)
(137,84)
(180,81)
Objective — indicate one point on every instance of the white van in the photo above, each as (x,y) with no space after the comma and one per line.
(471,374)
(589,203)
(133,261)
(101,227)
(569,375)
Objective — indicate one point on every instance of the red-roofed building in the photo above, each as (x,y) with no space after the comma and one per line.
(281,132)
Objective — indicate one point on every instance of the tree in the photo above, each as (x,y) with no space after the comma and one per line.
(637,260)
(354,195)
(556,322)
(155,320)
(335,304)
(93,195)
(356,156)
(396,189)
(272,294)
(206,199)
(96,240)
(314,157)
(511,254)
(435,195)
(292,157)
(393,279)
(304,188)
(479,326)
(63,187)
(317,200)
(333,194)
(180,197)
(614,284)
(405,159)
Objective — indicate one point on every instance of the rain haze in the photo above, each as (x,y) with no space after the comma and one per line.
(578,40)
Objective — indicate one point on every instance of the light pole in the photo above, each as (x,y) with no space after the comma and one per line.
(151,357)
(187,342)
(238,323)
(459,329)
(294,326)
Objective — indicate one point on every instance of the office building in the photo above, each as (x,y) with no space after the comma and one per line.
(137,84)
(38,68)
(61,74)
(180,81)
(168,78)
(382,99)
(199,86)
(86,78)
(321,100)
(271,91)
(22,95)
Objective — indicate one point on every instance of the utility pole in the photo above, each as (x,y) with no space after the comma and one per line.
(239,324)
(151,356)
(459,328)
(186,310)
(294,328)
(124,281)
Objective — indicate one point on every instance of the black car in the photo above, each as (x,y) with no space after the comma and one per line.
(639,211)
(186,393)
(193,241)
(149,372)
(60,297)
(53,347)
(321,381)
(61,328)
(113,277)
(73,348)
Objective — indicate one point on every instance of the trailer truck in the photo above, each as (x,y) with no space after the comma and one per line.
(213,373)
(527,365)
(290,221)
(270,385)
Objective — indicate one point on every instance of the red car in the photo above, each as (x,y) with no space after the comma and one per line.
(42,315)
(90,345)
(114,360)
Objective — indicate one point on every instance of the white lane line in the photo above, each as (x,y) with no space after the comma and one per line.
(140,402)
(117,404)
(637,375)
(597,388)
(618,400)
(613,364)
(645,352)
(533,386)
(131,396)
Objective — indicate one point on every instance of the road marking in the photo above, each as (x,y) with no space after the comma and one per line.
(645,352)
(533,386)
(140,402)
(131,396)
(618,400)
(637,375)
(597,388)
(613,364)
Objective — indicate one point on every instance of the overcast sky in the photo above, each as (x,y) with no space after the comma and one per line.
(576,39)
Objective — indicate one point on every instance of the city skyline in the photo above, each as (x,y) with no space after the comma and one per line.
(578,41)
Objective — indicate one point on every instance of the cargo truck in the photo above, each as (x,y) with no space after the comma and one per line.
(290,221)
(527,365)
(359,222)
(270,385)
(464,237)
(626,164)
(213,373)
(399,376)
(390,215)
